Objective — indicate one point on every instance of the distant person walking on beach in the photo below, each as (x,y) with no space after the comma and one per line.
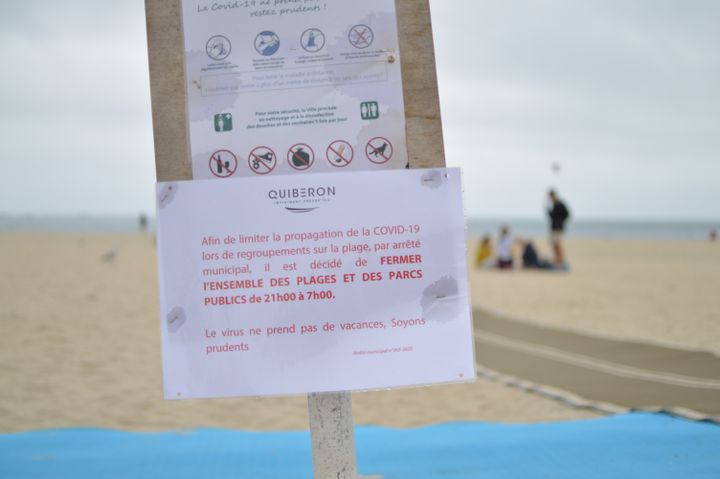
(559,214)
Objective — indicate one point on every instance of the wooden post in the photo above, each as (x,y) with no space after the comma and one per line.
(420,88)
(166,55)
(331,421)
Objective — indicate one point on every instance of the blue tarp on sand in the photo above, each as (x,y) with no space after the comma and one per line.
(627,446)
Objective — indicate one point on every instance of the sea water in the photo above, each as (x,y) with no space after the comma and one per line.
(577,228)
(601,229)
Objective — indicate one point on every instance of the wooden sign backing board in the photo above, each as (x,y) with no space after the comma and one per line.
(167,85)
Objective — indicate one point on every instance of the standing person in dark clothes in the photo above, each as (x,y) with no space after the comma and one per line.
(559,215)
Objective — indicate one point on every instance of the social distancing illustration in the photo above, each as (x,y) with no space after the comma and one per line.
(218,47)
(267,43)
(312,40)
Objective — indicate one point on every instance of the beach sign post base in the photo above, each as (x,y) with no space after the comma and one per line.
(333,438)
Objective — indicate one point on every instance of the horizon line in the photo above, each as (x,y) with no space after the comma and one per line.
(509,218)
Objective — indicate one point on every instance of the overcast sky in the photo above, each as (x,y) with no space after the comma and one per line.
(624,95)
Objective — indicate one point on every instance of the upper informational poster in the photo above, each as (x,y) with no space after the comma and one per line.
(280,87)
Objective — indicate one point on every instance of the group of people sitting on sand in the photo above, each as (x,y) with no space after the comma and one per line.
(503,254)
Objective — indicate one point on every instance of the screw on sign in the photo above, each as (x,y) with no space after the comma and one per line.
(301,156)
(223,163)
(340,153)
(379,150)
(361,36)
(262,160)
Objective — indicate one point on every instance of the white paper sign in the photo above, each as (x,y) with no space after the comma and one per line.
(293,87)
(315,283)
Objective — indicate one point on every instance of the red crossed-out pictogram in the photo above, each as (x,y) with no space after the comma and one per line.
(340,153)
(262,160)
(301,156)
(361,36)
(223,163)
(379,150)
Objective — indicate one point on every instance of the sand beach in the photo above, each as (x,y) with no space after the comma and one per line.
(653,290)
(79,336)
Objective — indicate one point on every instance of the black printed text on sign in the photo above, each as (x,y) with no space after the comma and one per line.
(262,160)
(300,156)
(379,150)
(340,153)
(223,163)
